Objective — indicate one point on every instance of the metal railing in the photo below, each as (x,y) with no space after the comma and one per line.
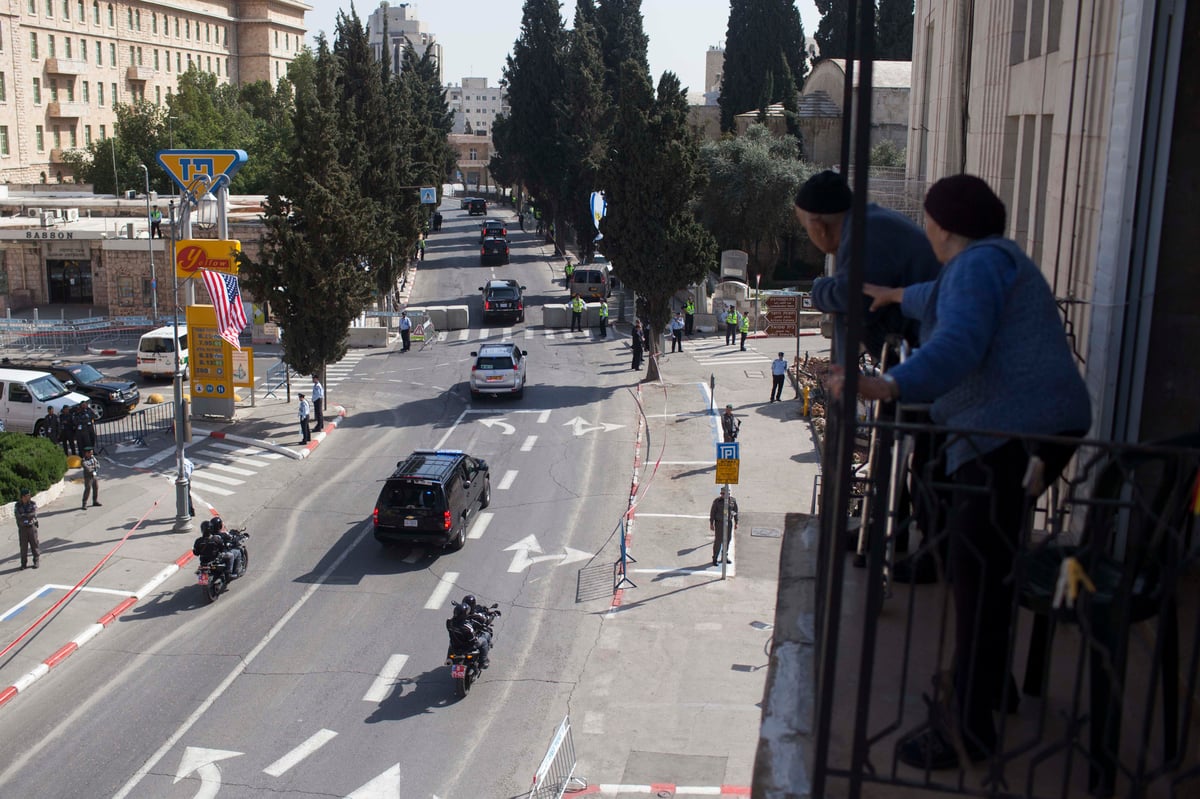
(135,428)
(31,337)
(1090,587)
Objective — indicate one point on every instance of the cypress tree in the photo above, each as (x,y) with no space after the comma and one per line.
(831,30)
(895,27)
(622,37)
(764,58)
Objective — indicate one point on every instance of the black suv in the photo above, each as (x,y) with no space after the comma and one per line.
(431,497)
(476,207)
(503,298)
(494,249)
(108,397)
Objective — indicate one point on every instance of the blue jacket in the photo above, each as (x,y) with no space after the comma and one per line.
(897,254)
(994,354)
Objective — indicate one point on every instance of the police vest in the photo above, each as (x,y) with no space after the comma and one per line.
(569,269)
(745,323)
(604,310)
(690,308)
(731,318)
(577,305)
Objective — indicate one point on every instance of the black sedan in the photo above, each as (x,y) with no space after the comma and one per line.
(494,249)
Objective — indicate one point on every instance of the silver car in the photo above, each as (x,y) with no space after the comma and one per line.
(498,369)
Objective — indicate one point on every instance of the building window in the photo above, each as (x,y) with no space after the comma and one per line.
(73,137)
(158,95)
(139,56)
(31,7)
(112,54)
(79,11)
(156,58)
(56,137)
(129,17)
(53,86)
(33,46)
(70,91)
(3,88)
(209,63)
(37,91)
(167,54)
(207,32)
(50,8)
(113,86)
(103,133)
(131,61)
(112,16)
(66,12)
(154,23)
(85,92)
(176,27)
(276,40)
(39,137)
(187,29)
(50,46)
(96,12)
(87,135)
(474,155)
(3,139)
(67,47)
(137,20)
(99,93)
(99,55)
(179,68)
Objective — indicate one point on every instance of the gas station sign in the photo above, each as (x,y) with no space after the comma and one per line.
(210,357)
(216,255)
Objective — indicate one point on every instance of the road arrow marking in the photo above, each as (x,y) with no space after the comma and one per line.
(505,426)
(582,426)
(385,786)
(204,763)
(522,560)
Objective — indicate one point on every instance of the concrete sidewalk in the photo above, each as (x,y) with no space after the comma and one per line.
(671,697)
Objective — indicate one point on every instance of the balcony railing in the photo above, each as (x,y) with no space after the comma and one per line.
(139,73)
(66,66)
(67,110)
(1089,588)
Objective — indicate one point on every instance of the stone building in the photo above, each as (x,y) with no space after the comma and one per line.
(66,64)
(404,29)
(476,105)
(822,98)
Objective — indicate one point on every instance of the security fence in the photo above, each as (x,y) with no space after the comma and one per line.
(134,429)
(49,337)
(1087,583)
(555,775)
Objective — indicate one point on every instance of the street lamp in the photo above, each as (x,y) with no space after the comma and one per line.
(150,240)
(183,519)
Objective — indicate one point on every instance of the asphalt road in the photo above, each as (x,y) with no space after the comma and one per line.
(321,672)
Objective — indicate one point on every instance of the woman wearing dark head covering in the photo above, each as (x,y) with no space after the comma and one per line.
(994,355)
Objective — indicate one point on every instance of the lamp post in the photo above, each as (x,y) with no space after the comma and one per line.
(183,519)
(150,240)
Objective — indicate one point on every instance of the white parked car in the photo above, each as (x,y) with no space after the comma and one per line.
(25,396)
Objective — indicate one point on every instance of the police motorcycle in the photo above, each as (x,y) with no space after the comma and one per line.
(469,623)
(213,575)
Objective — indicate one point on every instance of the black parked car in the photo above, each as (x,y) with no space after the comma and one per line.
(108,397)
(431,497)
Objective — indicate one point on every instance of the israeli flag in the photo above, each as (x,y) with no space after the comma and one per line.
(599,208)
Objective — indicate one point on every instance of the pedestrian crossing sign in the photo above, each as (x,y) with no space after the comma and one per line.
(428,196)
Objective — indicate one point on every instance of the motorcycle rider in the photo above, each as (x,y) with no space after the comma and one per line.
(215,544)
(469,628)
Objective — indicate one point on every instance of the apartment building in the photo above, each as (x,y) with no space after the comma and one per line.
(1075,111)
(66,64)
(475,106)
(403,29)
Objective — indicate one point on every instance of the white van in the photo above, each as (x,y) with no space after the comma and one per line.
(156,352)
(26,395)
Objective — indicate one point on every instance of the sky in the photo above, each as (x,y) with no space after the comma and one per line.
(477,35)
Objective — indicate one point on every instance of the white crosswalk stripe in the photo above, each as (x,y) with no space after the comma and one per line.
(221,467)
(335,373)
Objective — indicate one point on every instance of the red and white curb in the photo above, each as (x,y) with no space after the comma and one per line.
(290,452)
(91,631)
(664,788)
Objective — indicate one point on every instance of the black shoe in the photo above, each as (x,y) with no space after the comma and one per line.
(716,562)
(37,565)
(24,566)
(931,749)
(729,560)
(485,664)
(97,505)
(84,506)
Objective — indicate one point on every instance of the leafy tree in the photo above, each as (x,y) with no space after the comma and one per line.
(533,74)
(895,30)
(764,58)
(831,30)
(747,201)
(585,119)
(650,234)
(312,269)
(887,154)
(140,132)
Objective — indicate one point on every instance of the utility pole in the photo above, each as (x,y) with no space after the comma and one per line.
(150,240)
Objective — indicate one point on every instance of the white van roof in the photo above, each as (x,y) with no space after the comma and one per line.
(166,331)
(21,375)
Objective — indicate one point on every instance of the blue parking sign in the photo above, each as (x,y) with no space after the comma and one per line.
(728,452)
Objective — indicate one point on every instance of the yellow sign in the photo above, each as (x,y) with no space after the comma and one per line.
(727,470)
(217,255)
(243,367)
(210,357)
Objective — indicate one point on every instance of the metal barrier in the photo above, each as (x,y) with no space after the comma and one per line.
(32,337)
(134,428)
(279,375)
(1104,563)
(423,330)
(555,776)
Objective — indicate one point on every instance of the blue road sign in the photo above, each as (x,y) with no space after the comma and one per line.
(728,452)
(429,196)
(195,169)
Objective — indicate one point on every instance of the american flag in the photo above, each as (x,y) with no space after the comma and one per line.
(227,301)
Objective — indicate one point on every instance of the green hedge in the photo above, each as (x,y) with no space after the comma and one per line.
(28,462)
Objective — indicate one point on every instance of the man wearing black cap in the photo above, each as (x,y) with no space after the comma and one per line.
(897,254)
(27,528)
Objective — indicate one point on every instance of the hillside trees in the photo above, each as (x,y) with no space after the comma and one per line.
(764,58)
